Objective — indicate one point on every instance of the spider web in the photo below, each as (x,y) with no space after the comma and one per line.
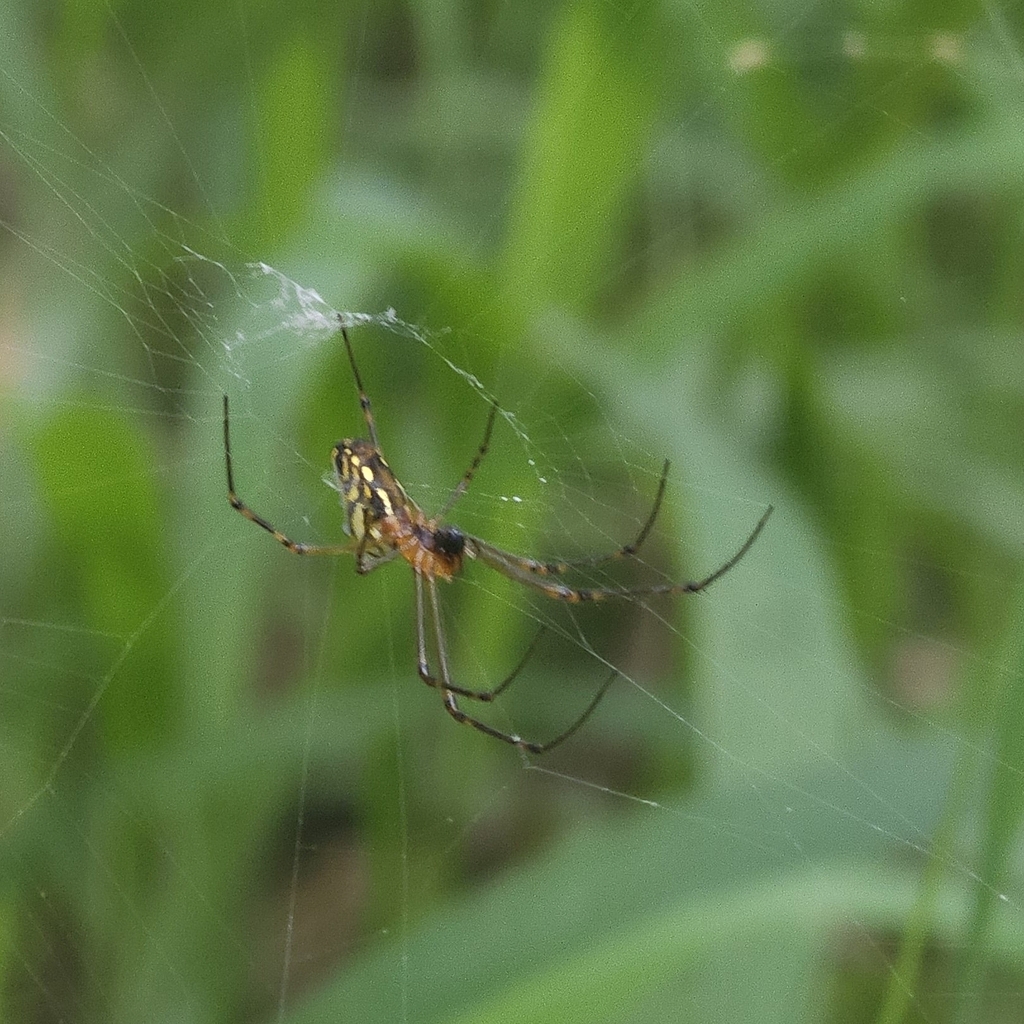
(227,793)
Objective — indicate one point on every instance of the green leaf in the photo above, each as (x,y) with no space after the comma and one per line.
(584,151)
(102,491)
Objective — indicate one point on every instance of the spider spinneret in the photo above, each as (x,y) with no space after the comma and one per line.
(385,523)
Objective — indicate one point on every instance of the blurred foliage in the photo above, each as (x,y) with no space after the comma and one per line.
(782,246)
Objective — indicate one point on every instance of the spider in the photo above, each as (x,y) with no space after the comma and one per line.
(384,523)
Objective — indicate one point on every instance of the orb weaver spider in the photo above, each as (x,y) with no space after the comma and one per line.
(384,522)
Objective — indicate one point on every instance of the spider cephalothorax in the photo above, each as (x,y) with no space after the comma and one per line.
(385,523)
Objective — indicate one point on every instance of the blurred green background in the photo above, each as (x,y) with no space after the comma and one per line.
(780,245)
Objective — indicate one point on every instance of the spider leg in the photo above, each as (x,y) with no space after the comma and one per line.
(627,550)
(423,665)
(449,692)
(696,588)
(296,547)
(366,563)
(509,565)
(543,748)
(539,568)
(364,401)
(467,478)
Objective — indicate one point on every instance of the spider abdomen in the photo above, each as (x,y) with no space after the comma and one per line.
(369,491)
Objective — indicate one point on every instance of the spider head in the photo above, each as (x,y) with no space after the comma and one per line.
(449,540)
